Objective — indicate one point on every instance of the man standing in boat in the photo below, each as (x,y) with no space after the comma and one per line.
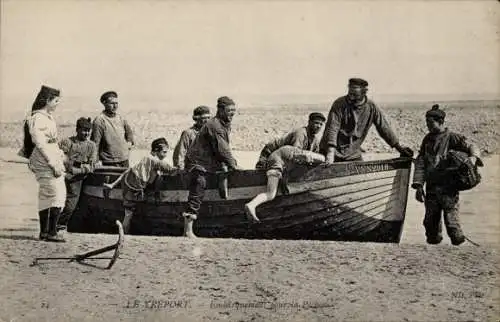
(112,134)
(305,138)
(201,115)
(209,153)
(349,121)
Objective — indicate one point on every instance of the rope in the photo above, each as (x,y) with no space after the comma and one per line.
(141,191)
(470,241)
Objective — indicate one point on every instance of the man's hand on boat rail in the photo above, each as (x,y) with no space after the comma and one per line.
(404,151)
(330,155)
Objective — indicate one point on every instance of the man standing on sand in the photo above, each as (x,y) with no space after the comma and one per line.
(201,115)
(112,134)
(440,196)
(305,138)
(349,121)
(210,152)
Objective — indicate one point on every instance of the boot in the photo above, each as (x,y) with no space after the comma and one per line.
(188,225)
(434,240)
(457,239)
(43,218)
(62,223)
(53,236)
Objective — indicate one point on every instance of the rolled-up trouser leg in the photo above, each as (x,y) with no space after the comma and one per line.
(73,190)
(127,218)
(264,154)
(432,220)
(197,186)
(450,203)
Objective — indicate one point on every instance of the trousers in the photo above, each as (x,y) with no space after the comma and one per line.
(197,186)
(441,201)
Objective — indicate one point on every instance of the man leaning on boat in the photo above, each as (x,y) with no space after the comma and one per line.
(348,123)
(305,138)
(209,153)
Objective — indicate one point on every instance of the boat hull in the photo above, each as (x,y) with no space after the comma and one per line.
(357,201)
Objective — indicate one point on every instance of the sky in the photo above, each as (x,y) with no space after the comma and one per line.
(191,51)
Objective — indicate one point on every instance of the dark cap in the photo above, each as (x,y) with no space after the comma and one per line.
(224,101)
(47,91)
(200,111)
(84,123)
(105,96)
(436,113)
(157,144)
(358,82)
(316,116)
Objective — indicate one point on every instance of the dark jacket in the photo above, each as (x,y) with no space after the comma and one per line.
(185,141)
(348,125)
(433,151)
(210,149)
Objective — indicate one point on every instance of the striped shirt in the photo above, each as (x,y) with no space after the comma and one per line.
(348,125)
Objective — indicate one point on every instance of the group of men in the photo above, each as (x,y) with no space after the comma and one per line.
(205,148)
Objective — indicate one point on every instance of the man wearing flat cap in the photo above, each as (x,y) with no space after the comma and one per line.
(209,153)
(112,133)
(305,138)
(440,196)
(201,115)
(349,121)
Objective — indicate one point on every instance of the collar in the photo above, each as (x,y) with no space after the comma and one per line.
(43,112)
(356,105)
(109,114)
(226,124)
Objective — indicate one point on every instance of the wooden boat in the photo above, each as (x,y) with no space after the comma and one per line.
(351,201)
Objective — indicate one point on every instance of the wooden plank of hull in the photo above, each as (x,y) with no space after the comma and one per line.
(248,192)
(366,206)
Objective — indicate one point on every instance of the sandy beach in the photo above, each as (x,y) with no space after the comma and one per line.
(175,279)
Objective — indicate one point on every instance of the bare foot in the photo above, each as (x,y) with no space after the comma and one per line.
(190,235)
(108,185)
(250,212)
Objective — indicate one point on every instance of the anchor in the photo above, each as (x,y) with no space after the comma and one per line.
(117,247)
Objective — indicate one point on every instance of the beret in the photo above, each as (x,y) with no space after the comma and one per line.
(84,123)
(224,101)
(316,116)
(104,97)
(357,82)
(201,110)
(157,144)
(435,112)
